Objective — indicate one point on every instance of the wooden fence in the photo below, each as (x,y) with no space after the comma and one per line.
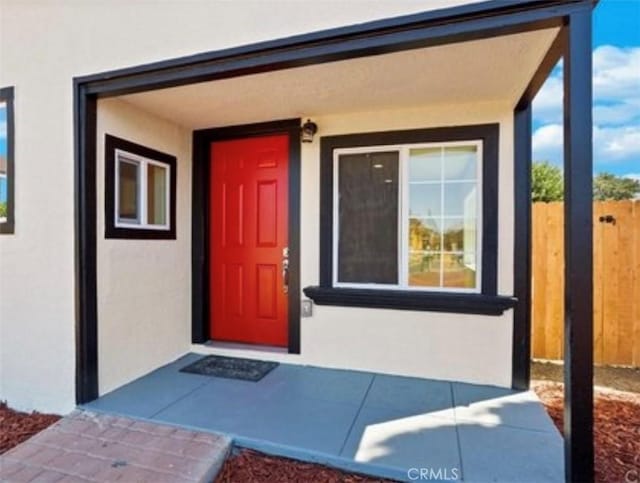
(616,309)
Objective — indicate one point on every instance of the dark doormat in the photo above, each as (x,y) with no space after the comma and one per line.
(231,368)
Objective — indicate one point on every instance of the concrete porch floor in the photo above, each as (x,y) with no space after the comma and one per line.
(377,424)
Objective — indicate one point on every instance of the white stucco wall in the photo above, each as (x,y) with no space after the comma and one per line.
(144,286)
(43,45)
(468,348)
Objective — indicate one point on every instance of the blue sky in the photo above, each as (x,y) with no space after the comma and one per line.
(616,81)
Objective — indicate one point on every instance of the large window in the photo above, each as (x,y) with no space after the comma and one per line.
(409,216)
(7,175)
(140,191)
(409,220)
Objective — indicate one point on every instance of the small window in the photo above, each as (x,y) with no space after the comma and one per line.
(142,182)
(408,217)
(142,187)
(7,175)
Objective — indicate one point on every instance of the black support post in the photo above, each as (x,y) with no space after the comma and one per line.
(86,280)
(521,354)
(578,166)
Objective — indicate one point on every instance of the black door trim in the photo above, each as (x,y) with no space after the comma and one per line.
(200,302)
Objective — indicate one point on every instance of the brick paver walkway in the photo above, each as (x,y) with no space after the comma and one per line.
(86,446)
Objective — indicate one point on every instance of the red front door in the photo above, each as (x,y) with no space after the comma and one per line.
(249,239)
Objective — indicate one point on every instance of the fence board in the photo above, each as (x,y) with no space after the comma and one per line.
(636,284)
(539,251)
(598,284)
(616,282)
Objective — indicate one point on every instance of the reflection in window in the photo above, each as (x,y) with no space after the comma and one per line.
(6,161)
(128,190)
(443,201)
(157,195)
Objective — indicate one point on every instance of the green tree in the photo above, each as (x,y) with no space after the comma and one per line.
(546,182)
(607,186)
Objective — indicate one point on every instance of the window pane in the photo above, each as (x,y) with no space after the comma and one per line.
(457,271)
(425,164)
(128,195)
(156,195)
(460,199)
(443,206)
(425,234)
(460,163)
(425,189)
(425,200)
(424,269)
(368,218)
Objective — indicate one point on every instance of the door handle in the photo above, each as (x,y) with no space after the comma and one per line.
(285,270)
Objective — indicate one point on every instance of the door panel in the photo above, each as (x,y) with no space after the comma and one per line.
(248,238)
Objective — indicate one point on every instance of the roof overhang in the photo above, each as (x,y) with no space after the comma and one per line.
(495,69)
(464,23)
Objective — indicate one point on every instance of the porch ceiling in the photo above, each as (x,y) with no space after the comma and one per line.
(497,69)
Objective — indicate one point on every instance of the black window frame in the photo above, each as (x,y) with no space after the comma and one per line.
(7,96)
(486,302)
(111,231)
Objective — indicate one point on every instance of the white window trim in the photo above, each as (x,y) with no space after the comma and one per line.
(143,164)
(403,218)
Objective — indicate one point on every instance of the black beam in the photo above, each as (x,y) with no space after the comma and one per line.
(578,239)
(551,58)
(404,33)
(84,120)
(521,349)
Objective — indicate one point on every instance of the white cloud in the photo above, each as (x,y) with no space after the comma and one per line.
(548,137)
(610,144)
(620,113)
(547,143)
(616,88)
(3,129)
(616,72)
(635,176)
(547,105)
(616,112)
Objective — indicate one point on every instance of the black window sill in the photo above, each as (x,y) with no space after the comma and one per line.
(6,228)
(409,300)
(112,232)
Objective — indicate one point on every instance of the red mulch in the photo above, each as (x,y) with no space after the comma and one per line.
(616,425)
(616,429)
(16,427)
(252,467)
